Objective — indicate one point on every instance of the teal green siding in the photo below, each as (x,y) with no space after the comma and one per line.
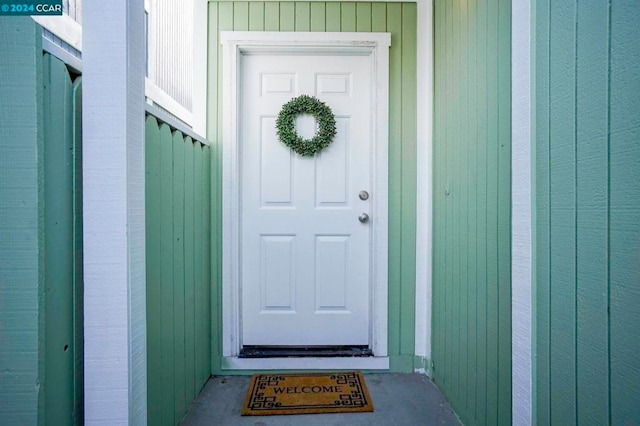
(400,20)
(472,208)
(588,212)
(178,272)
(40,233)
(21,221)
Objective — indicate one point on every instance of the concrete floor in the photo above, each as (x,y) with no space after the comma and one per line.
(398,399)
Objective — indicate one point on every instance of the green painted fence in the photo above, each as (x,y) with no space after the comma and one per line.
(40,233)
(588,212)
(399,19)
(178,250)
(63,297)
(472,208)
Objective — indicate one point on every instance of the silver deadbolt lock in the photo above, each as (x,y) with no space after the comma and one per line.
(363,218)
(364,195)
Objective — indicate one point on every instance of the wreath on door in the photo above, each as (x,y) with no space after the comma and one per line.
(286,128)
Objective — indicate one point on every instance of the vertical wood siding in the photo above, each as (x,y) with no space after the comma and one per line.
(172,32)
(588,212)
(399,19)
(178,270)
(73,8)
(21,220)
(472,208)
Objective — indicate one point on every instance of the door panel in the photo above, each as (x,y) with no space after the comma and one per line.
(278,273)
(276,163)
(332,273)
(332,177)
(305,257)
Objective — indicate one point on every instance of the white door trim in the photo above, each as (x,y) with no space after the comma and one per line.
(522,213)
(237,43)
(424,185)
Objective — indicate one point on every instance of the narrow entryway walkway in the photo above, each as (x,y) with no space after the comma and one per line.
(398,399)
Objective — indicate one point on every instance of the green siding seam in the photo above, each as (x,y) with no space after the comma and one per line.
(608,271)
(534,214)
(575,211)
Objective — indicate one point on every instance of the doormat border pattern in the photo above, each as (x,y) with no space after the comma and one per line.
(258,403)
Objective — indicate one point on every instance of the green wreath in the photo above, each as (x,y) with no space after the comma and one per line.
(286,128)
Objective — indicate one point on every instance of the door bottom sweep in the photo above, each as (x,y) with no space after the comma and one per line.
(252,351)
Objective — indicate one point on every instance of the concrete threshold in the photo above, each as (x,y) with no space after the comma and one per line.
(398,399)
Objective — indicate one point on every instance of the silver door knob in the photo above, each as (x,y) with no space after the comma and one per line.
(364,195)
(363,218)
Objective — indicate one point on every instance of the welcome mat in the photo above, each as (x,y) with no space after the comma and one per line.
(277,394)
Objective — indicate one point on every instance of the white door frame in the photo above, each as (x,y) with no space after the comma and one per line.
(235,44)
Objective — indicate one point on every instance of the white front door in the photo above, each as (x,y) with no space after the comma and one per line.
(305,257)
